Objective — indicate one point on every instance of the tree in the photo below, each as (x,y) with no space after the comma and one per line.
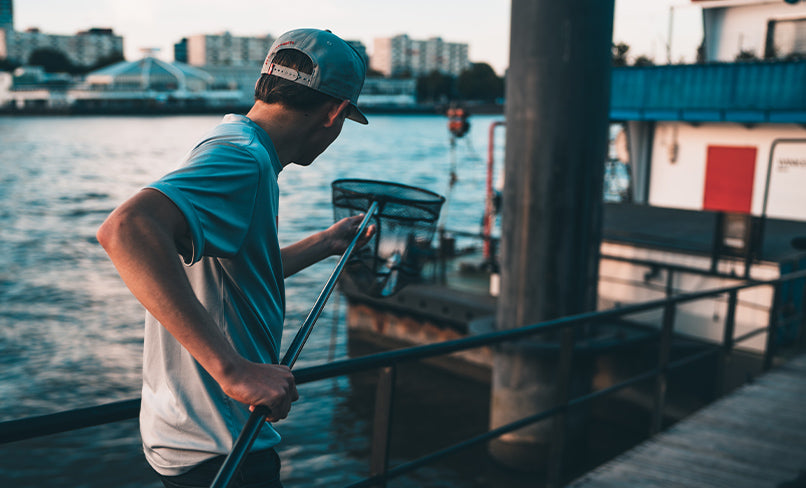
(746,56)
(51,60)
(435,87)
(113,58)
(480,82)
(8,65)
(643,61)
(701,59)
(620,54)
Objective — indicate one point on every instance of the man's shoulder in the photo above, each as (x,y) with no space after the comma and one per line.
(233,131)
(237,133)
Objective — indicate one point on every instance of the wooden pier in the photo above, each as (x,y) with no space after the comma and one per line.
(754,438)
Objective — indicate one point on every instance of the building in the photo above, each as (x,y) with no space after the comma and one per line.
(86,48)
(7,15)
(761,28)
(147,85)
(234,62)
(181,51)
(401,55)
(361,49)
(384,93)
(224,50)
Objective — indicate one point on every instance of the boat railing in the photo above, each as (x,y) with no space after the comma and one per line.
(386,363)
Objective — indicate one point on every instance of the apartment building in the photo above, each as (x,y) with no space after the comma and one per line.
(398,55)
(85,48)
(7,15)
(223,49)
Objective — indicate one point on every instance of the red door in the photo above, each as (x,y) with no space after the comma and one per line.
(729,174)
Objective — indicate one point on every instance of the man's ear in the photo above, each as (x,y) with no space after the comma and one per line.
(336,112)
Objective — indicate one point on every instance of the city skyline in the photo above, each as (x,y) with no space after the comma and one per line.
(482,24)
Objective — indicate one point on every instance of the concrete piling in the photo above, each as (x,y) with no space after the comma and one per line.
(558,91)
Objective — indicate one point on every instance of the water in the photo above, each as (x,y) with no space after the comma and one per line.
(71,334)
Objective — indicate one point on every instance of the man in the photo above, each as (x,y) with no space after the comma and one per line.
(213,326)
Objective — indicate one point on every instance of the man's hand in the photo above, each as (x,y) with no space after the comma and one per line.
(331,241)
(341,234)
(269,385)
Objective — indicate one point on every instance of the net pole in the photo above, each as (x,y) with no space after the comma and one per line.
(253,425)
(295,348)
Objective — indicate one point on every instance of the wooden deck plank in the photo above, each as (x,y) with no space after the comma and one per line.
(755,438)
(745,449)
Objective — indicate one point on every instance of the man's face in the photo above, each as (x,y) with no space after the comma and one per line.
(321,140)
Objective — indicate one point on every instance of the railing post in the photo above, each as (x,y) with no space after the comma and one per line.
(727,344)
(381,429)
(769,349)
(669,282)
(716,243)
(801,339)
(664,347)
(560,426)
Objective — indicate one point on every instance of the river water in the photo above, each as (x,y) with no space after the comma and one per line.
(71,334)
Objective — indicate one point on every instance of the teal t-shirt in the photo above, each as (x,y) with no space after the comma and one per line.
(227,190)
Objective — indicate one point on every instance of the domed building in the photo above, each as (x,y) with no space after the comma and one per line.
(151,84)
(150,74)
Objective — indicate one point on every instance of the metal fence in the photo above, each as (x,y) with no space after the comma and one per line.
(386,364)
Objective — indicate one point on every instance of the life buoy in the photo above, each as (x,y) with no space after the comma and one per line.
(458,124)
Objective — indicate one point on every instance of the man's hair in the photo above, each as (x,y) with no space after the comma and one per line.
(273,89)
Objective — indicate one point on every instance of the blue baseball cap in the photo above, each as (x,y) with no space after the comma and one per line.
(338,69)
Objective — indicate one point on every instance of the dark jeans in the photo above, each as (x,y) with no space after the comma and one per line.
(260,469)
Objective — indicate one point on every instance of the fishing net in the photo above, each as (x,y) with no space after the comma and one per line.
(404,227)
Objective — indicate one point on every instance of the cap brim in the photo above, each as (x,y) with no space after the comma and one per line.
(357,115)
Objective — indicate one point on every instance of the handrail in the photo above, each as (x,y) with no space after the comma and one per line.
(20,429)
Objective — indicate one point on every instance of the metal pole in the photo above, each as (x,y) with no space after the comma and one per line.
(488,204)
(255,422)
(557,451)
(661,380)
(381,430)
(769,349)
(727,344)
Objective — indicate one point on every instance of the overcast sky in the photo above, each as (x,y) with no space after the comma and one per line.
(483,24)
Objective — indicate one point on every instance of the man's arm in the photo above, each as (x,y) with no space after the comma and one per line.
(334,240)
(142,238)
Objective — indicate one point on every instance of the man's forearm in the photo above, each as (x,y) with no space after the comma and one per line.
(334,240)
(304,253)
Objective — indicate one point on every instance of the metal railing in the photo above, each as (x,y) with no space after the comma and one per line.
(387,362)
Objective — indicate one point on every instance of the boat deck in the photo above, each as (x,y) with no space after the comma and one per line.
(754,438)
(689,230)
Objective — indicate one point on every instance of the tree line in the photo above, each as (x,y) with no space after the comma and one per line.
(478,83)
(620,56)
(55,61)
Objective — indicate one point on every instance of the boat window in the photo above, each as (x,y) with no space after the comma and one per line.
(617,174)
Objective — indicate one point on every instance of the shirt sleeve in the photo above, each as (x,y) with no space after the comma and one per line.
(216,192)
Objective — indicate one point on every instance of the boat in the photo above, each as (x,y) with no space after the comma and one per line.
(703,189)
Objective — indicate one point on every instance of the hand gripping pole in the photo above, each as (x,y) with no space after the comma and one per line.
(255,422)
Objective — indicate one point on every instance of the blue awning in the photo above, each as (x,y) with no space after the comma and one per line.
(747,93)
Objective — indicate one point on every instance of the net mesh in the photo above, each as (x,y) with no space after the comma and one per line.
(404,227)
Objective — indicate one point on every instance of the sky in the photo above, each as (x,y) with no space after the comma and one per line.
(482,24)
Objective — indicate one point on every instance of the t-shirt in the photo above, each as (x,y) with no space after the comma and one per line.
(227,190)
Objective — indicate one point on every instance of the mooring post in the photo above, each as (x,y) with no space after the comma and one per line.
(558,93)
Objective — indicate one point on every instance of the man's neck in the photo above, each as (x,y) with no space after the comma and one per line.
(288,129)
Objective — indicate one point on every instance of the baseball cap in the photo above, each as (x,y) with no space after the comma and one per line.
(338,69)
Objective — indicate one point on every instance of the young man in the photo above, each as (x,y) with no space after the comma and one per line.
(213,326)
